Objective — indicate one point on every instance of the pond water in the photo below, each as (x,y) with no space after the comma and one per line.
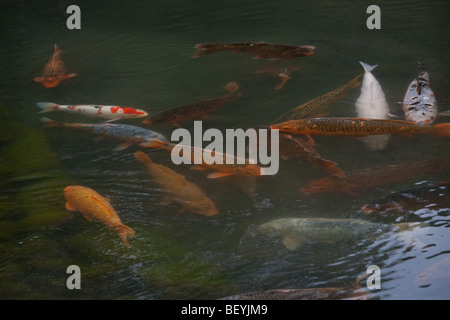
(139,54)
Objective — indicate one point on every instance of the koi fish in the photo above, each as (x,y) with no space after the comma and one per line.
(262,50)
(129,134)
(178,188)
(111,113)
(93,206)
(283,73)
(196,110)
(221,169)
(430,197)
(352,292)
(372,177)
(318,105)
(419,103)
(358,127)
(54,71)
(372,104)
(297,232)
(297,147)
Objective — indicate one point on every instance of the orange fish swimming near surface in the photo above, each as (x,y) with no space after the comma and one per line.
(54,71)
(93,206)
(261,49)
(178,188)
(372,177)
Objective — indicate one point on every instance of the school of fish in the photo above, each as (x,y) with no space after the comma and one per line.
(297,126)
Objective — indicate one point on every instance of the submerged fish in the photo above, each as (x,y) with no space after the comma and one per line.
(54,71)
(297,232)
(430,197)
(93,206)
(358,127)
(372,104)
(371,177)
(178,188)
(434,274)
(262,50)
(318,105)
(196,110)
(283,73)
(419,103)
(129,134)
(352,292)
(222,169)
(110,113)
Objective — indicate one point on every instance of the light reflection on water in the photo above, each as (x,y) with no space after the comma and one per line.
(145,61)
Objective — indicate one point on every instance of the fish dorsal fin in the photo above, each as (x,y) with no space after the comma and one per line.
(367,67)
(101,204)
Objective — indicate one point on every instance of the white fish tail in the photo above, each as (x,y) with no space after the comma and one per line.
(368,68)
(46,106)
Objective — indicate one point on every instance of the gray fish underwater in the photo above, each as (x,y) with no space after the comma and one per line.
(352,292)
(262,50)
(128,134)
(296,232)
(419,103)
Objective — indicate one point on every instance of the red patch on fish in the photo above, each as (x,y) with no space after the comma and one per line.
(131,111)
(114,109)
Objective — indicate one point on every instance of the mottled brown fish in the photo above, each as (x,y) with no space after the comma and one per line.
(261,50)
(318,105)
(54,71)
(196,110)
(178,189)
(358,127)
(352,292)
(284,73)
(93,206)
(372,177)
(419,103)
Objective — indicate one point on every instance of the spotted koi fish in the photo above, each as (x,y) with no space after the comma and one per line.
(262,50)
(128,134)
(54,71)
(419,103)
(110,113)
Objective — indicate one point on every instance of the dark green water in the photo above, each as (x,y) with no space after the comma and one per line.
(138,54)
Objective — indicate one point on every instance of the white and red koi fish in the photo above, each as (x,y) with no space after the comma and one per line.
(54,71)
(110,113)
(127,134)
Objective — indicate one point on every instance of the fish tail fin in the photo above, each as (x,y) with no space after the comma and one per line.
(368,68)
(232,86)
(442,129)
(142,157)
(332,168)
(50,123)
(47,106)
(125,232)
(207,48)
(57,49)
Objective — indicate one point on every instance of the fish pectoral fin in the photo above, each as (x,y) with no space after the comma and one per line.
(292,243)
(70,207)
(310,140)
(198,167)
(88,218)
(68,76)
(167,200)
(122,146)
(38,79)
(215,175)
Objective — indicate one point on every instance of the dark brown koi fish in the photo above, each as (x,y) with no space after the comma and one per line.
(178,188)
(54,71)
(262,50)
(196,110)
(318,105)
(378,176)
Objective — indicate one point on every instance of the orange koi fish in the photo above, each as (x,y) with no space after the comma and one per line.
(54,71)
(178,188)
(196,110)
(373,177)
(318,105)
(221,169)
(262,50)
(358,127)
(93,206)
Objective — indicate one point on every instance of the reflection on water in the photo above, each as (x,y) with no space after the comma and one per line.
(140,56)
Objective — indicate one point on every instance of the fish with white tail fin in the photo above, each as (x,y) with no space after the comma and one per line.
(372,104)
(109,113)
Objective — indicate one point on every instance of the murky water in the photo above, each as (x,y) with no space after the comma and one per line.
(139,55)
